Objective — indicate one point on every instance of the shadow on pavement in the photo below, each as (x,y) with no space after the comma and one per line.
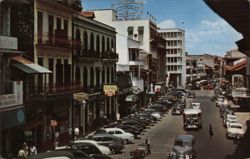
(243,149)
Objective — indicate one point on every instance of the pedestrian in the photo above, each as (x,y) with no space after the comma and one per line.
(147,143)
(33,149)
(211,133)
(23,152)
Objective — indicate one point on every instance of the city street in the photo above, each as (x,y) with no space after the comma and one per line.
(162,135)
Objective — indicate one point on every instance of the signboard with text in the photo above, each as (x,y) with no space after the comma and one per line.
(110,90)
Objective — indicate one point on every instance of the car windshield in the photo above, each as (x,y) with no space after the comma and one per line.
(182,143)
(236,126)
(232,118)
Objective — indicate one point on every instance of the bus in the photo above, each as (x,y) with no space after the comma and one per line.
(192,118)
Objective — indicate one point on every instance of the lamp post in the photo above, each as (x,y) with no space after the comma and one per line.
(83,122)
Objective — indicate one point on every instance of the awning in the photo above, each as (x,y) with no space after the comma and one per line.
(80,97)
(27,66)
(131,98)
(11,52)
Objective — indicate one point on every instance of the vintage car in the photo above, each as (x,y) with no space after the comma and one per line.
(184,147)
(196,105)
(229,119)
(177,110)
(235,130)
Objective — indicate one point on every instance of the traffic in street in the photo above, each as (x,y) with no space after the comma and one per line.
(163,134)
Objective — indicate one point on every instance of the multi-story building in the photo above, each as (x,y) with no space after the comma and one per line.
(141,50)
(175,56)
(94,61)
(201,66)
(44,31)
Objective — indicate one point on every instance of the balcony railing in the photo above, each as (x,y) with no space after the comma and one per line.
(93,54)
(59,39)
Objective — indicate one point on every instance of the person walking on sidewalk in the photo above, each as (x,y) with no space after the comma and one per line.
(211,133)
(148,146)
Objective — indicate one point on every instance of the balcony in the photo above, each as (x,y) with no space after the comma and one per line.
(88,54)
(110,55)
(59,39)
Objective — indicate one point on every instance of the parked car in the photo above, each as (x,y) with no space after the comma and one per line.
(115,144)
(225,110)
(219,101)
(104,149)
(177,110)
(66,154)
(184,147)
(126,137)
(89,149)
(133,122)
(191,94)
(196,105)
(235,130)
(229,119)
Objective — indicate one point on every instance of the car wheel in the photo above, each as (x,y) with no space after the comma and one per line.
(125,141)
(112,151)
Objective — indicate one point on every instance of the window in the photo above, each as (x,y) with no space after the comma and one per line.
(108,44)
(85,40)
(103,44)
(92,41)
(65,23)
(118,132)
(111,132)
(130,30)
(39,26)
(97,43)
(58,23)
(201,59)
(51,28)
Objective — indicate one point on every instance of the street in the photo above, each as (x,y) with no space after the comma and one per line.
(162,135)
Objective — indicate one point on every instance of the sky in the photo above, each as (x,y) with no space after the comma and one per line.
(205,31)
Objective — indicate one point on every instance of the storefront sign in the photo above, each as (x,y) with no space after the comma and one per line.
(53,123)
(7,100)
(110,90)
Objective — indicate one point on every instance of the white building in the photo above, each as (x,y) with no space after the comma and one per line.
(176,58)
(134,45)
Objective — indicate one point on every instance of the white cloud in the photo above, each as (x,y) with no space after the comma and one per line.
(215,37)
(168,23)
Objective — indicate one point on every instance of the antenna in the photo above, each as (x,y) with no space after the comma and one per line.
(128,9)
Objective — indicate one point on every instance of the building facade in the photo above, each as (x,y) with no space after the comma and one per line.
(141,50)
(94,61)
(175,56)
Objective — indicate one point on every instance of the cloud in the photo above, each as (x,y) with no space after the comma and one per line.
(167,24)
(214,37)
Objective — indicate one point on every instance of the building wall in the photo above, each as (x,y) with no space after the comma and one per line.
(175,56)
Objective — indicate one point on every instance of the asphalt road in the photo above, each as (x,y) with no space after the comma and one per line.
(162,135)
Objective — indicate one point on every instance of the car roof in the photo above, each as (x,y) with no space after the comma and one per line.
(185,137)
(85,141)
(192,111)
(113,129)
(52,154)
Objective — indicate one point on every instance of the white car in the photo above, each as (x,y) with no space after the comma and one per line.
(219,101)
(156,115)
(229,119)
(196,105)
(104,149)
(126,137)
(235,130)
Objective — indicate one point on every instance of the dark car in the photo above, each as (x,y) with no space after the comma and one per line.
(89,149)
(177,110)
(115,144)
(184,147)
(133,123)
(191,94)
